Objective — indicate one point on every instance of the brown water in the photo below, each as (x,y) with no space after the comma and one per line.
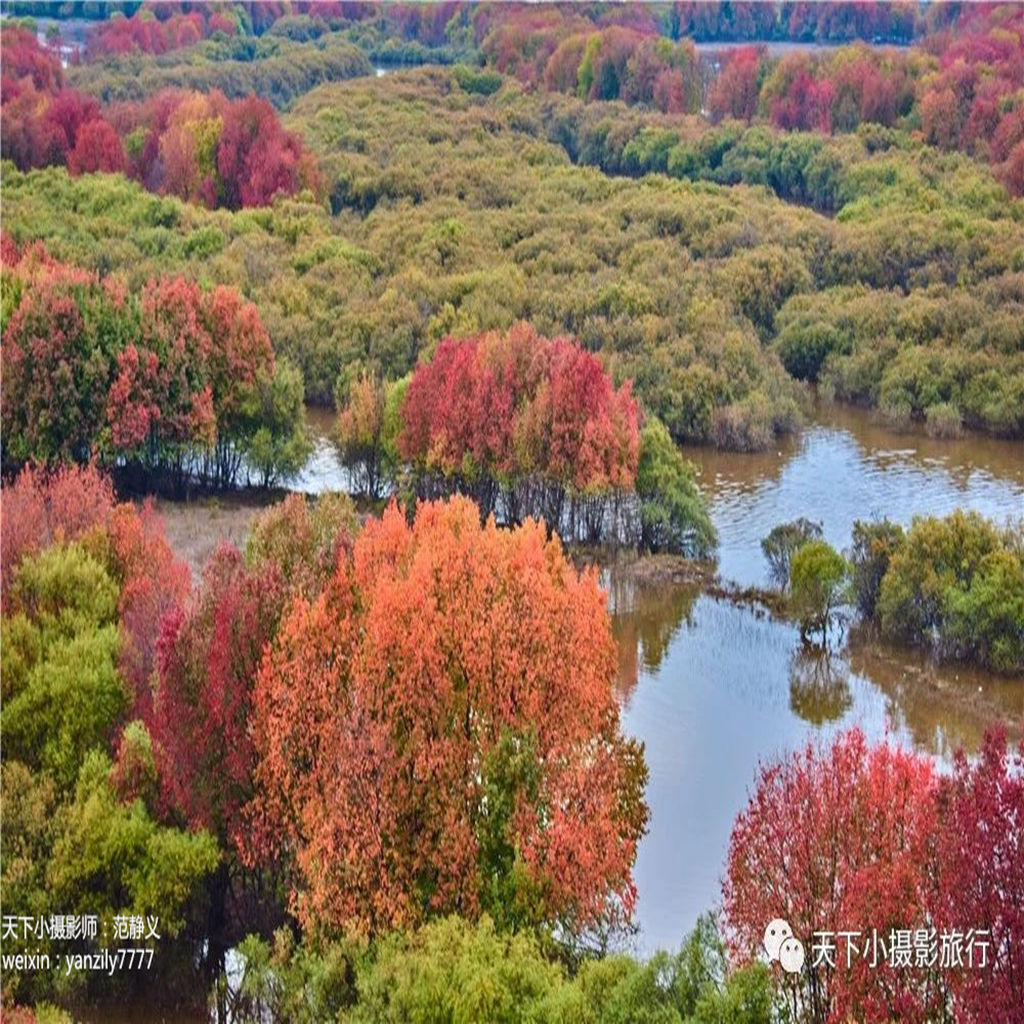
(845,466)
(713,688)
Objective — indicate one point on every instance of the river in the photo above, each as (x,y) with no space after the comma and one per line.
(713,688)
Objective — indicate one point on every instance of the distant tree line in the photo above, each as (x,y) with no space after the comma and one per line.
(204,148)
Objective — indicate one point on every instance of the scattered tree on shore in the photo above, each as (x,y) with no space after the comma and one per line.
(783,542)
(818,577)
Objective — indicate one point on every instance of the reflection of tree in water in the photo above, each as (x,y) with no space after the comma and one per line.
(646,615)
(819,684)
(942,706)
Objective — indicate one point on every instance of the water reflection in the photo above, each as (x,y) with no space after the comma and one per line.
(647,615)
(843,466)
(941,707)
(717,705)
(819,685)
(714,689)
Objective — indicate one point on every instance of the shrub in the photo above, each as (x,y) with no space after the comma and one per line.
(955,585)
(783,541)
(984,622)
(873,546)
(817,584)
(943,420)
(938,556)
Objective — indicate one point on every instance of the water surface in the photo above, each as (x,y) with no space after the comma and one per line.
(713,689)
(845,466)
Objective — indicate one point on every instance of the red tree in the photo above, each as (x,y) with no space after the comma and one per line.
(154,35)
(518,405)
(208,656)
(437,732)
(210,651)
(257,159)
(838,840)
(162,394)
(24,59)
(202,148)
(57,361)
(154,584)
(806,104)
(734,92)
(41,508)
(69,111)
(981,876)
(158,379)
(97,149)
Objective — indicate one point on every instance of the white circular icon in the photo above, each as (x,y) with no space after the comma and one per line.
(791,955)
(774,935)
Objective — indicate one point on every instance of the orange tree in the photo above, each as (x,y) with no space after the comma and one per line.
(437,733)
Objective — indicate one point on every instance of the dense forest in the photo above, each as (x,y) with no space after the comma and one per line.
(369,761)
(831,267)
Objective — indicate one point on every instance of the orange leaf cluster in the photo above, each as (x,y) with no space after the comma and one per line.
(383,708)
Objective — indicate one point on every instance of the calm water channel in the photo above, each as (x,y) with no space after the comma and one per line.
(713,689)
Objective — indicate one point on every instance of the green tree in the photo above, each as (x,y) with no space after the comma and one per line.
(362,434)
(783,542)
(874,544)
(279,445)
(673,514)
(452,970)
(62,693)
(985,621)
(818,577)
(110,857)
(939,555)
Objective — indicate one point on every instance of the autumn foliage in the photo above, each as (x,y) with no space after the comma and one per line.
(527,427)
(541,417)
(961,87)
(854,838)
(144,33)
(437,732)
(210,650)
(207,658)
(200,147)
(41,121)
(169,380)
(981,874)
(72,503)
(975,101)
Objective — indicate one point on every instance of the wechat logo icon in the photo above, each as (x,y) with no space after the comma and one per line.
(780,944)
